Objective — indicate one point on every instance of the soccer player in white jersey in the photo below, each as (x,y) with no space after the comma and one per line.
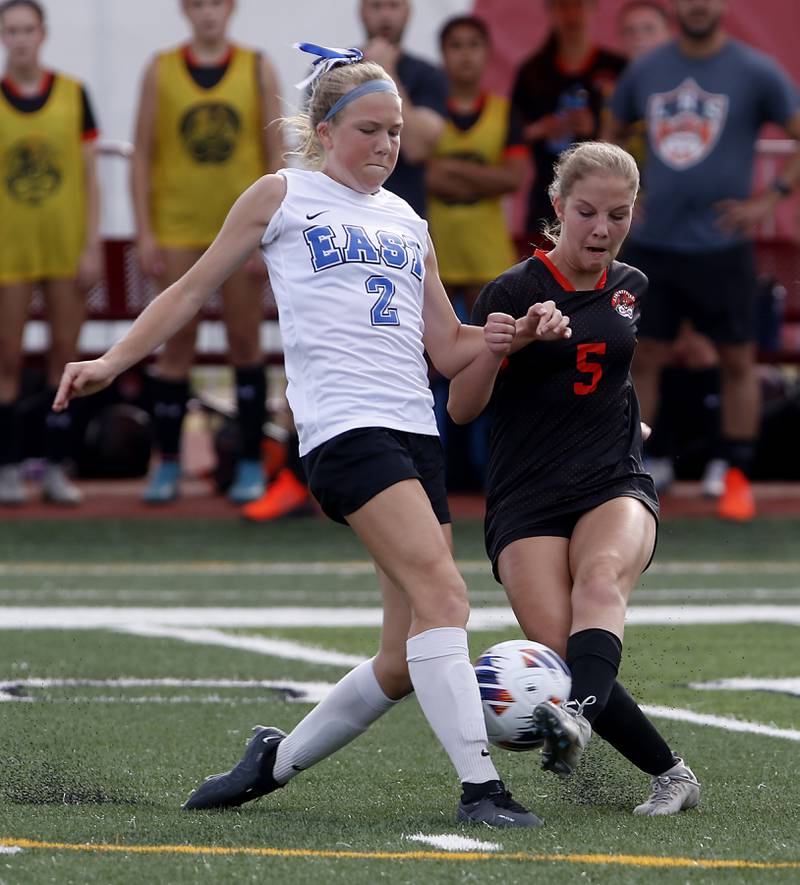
(360,300)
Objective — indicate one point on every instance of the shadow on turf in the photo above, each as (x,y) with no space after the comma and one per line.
(46,785)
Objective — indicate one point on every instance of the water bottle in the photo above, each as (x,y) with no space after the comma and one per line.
(573,99)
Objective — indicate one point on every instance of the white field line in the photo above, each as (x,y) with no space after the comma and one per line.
(729,723)
(308,692)
(485,618)
(750,683)
(353,567)
(313,692)
(279,648)
(157,699)
(363,597)
(453,842)
(10,849)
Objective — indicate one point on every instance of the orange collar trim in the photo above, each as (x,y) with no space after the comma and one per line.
(476,108)
(192,61)
(559,277)
(44,85)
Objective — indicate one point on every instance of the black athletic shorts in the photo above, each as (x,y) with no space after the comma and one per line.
(715,290)
(350,469)
(515,527)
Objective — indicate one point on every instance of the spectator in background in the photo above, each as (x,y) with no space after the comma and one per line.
(705,97)
(643,25)
(423,91)
(49,235)
(559,94)
(480,156)
(203,134)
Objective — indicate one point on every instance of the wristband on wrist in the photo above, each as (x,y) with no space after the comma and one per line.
(781,187)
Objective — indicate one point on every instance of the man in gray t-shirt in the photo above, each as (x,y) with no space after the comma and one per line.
(704,98)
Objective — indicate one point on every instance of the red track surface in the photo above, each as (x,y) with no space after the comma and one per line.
(113,499)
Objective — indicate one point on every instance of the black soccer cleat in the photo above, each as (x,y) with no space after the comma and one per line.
(491,804)
(249,779)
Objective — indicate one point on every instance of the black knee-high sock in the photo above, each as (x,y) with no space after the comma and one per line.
(251,396)
(10,441)
(739,453)
(58,441)
(593,657)
(623,725)
(169,400)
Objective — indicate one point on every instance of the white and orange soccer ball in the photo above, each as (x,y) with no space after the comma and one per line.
(514,677)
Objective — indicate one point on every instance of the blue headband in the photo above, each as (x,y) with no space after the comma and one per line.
(363,89)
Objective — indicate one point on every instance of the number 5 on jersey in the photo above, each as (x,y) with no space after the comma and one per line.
(589,367)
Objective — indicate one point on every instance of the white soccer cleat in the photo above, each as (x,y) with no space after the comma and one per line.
(12,488)
(713,481)
(674,791)
(57,488)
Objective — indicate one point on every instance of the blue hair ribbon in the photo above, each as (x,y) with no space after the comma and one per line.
(327,57)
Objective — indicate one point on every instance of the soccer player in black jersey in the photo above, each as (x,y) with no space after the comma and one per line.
(571,513)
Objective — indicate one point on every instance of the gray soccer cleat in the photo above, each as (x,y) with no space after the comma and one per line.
(566,732)
(675,790)
(491,805)
(57,487)
(12,488)
(249,779)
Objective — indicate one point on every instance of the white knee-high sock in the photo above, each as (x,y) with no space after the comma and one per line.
(447,690)
(355,702)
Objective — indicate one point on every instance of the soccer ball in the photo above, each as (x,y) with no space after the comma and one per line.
(514,677)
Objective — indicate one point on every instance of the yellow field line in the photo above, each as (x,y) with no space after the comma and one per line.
(631,860)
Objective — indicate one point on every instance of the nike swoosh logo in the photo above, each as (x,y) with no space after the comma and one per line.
(316,214)
(484,752)
(297,768)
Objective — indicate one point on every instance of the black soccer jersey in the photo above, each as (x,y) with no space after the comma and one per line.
(566,434)
(544,87)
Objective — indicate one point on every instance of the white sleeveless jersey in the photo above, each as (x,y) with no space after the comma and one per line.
(347,271)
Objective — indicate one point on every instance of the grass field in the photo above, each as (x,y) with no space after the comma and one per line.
(136,655)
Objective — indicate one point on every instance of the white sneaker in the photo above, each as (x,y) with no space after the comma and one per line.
(662,471)
(713,481)
(57,488)
(566,732)
(12,488)
(675,790)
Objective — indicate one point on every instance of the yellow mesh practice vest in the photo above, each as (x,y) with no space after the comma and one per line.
(207,148)
(472,241)
(42,187)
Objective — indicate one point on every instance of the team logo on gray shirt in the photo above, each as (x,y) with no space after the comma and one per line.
(685,124)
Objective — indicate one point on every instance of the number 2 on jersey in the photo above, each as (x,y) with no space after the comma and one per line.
(382,314)
(590,367)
